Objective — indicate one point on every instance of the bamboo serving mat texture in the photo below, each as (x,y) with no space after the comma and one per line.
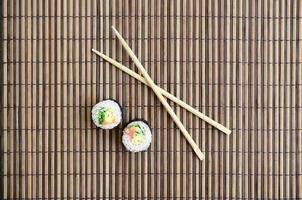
(239,62)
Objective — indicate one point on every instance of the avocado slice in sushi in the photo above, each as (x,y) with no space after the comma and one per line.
(105,115)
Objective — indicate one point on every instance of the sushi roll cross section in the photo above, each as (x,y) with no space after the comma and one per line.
(137,136)
(106,114)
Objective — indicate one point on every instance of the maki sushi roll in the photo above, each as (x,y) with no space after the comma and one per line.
(136,136)
(106,114)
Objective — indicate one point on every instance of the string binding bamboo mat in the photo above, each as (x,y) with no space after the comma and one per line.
(239,62)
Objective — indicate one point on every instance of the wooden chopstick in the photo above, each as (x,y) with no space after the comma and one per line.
(160,96)
(165,93)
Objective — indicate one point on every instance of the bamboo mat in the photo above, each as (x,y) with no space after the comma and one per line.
(238,62)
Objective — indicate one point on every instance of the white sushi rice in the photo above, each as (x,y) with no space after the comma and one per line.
(141,147)
(109,104)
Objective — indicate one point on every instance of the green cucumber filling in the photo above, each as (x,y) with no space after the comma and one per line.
(100,115)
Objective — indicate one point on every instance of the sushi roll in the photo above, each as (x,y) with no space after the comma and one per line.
(136,136)
(106,114)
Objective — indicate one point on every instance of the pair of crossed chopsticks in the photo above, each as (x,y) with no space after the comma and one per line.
(146,79)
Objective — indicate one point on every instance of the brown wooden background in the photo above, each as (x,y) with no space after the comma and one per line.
(238,62)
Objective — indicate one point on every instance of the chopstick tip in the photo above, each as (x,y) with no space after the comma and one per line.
(113,28)
(228,131)
(199,154)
